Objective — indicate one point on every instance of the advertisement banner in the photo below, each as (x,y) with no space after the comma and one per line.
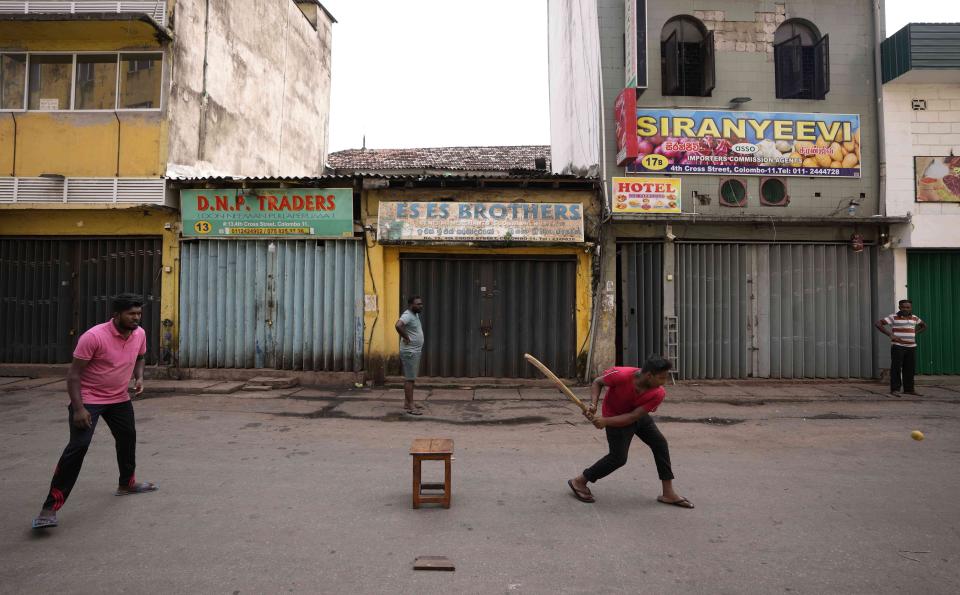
(743,143)
(646,195)
(479,222)
(624,107)
(266,212)
(938,178)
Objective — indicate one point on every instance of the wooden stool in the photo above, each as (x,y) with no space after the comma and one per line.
(431,449)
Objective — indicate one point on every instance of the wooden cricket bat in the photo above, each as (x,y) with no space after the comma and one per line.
(563,387)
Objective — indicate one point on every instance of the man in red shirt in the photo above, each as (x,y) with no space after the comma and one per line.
(104,360)
(632,395)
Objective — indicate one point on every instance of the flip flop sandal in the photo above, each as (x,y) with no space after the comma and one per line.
(682,502)
(140,488)
(581,496)
(413,412)
(44,522)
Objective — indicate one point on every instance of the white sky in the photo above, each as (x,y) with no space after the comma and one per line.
(432,73)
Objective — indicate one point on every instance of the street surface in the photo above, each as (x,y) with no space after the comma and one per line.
(308,491)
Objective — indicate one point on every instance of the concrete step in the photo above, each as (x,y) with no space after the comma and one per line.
(271,382)
(223,388)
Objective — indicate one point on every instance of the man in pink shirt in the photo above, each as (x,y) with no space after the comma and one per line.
(105,359)
(632,395)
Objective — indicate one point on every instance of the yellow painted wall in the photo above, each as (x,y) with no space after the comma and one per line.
(81,144)
(6,144)
(66,36)
(382,274)
(68,220)
(84,144)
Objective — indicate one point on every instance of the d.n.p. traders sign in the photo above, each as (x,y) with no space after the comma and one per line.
(266,212)
(479,222)
(739,143)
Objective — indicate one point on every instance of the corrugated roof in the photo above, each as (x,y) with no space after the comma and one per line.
(511,176)
(498,158)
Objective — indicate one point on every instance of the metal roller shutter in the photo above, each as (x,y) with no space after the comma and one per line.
(52,290)
(933,279)
(482,315)
(775,310)
(285,304)
(640,272)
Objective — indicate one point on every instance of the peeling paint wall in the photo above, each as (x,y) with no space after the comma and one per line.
(261,106)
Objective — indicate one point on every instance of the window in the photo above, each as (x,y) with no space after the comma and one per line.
(733,192)
(50,81)
(687,58)
(140,82)
(801,58)
(13,80)
(96,86)
(773,192)
(80,81)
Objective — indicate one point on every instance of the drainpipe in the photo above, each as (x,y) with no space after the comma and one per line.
(202,129)
(878,31)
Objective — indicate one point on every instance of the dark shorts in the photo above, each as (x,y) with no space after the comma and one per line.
(410,360)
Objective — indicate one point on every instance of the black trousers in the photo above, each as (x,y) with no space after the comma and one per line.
(120,420)
(903,365)
(619,440)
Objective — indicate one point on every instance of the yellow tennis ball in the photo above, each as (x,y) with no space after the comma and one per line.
(916,435)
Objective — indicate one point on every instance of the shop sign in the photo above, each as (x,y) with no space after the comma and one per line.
(479,222)
(652,195)
(739,143)
(624,108)
(265,212)
(938,178)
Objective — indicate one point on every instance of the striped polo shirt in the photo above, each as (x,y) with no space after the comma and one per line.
(904,329)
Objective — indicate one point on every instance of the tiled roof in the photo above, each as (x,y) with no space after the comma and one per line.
(506,158)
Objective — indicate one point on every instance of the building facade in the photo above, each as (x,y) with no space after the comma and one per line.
(101,104)
(921,107)
(500,250)
(739,148)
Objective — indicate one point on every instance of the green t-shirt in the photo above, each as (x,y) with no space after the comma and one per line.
(411,322)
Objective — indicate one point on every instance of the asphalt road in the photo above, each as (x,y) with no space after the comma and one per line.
(270,494)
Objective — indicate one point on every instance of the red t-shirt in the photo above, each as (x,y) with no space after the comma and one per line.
(622,397)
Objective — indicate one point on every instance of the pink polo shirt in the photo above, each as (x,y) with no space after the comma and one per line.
(112,358)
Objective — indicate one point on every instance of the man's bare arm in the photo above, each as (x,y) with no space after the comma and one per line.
(881,326)
(138,375)
(402,330)
(81,417)
(622,420)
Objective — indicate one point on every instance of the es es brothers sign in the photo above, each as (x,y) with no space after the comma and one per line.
(479,222)
(265,212)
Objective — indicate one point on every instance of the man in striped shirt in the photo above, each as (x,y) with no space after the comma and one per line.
(904,327)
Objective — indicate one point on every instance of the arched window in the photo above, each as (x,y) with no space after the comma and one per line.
(686,58)
(802,61)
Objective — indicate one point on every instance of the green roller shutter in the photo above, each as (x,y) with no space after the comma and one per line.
(933,282)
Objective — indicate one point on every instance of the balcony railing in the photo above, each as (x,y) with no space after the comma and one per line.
(82,190)
(154,8)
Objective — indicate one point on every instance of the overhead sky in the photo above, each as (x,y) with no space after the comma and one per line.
(432,73)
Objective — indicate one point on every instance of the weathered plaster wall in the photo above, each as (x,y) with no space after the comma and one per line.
(267,85)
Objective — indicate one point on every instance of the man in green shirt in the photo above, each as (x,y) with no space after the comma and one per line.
(411,346)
